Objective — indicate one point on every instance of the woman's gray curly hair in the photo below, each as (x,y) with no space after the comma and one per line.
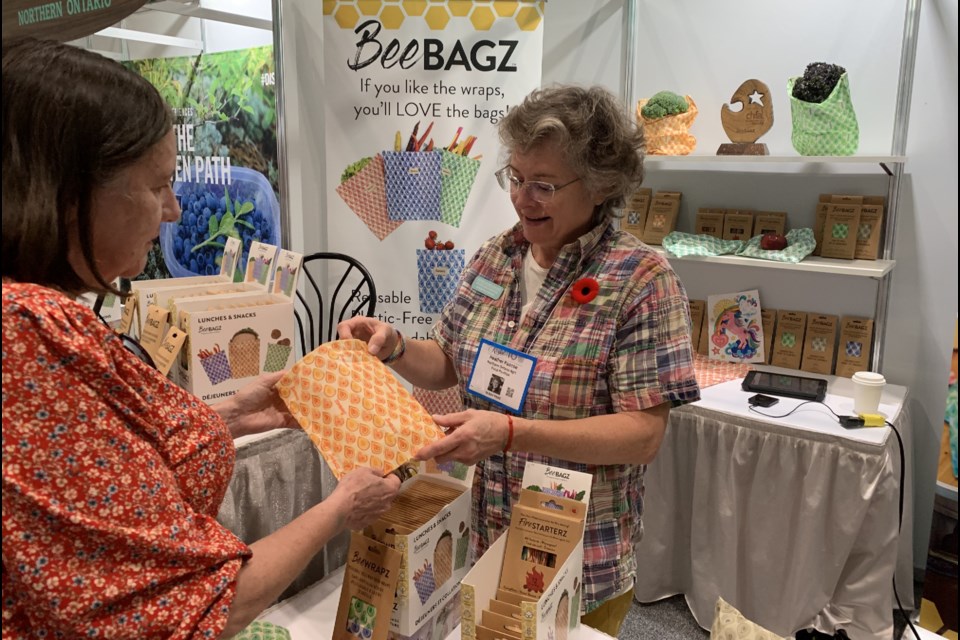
(601,143)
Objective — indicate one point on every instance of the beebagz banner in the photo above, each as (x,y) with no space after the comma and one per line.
(415,91)
(227,172)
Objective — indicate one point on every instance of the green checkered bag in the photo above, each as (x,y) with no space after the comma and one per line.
(827,128)
(800,244)
(457,174)
(681,244)
(258,630)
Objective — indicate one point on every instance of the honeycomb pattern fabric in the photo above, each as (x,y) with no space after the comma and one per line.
(828,128)
(681,244)
(439,402)
(670,135)
(366,195)
(413,184)
(354,409)
(729,624)
(245,354)
(457,174)
(438,273)
(261,630)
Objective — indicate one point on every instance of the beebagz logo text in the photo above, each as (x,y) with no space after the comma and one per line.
(483,55)
(557,473)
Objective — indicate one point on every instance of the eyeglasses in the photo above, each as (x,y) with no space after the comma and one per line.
(129,343)
(542,192)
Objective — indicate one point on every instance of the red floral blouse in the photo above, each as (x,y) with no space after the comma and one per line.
(112,478)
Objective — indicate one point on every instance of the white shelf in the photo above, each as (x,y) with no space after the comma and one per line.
(769,163)
(862,268)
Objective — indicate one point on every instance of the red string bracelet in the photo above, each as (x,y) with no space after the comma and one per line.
(506,447)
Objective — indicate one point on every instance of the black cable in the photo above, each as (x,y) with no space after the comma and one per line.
(899,526)
(900,503)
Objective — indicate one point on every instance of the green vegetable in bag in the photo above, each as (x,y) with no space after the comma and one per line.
(824,123)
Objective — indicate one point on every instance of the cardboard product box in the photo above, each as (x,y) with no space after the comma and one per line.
(737,225)
(697,310)
(145,292)
(870,229)
(231,339)
(840,230)
(769,222)
(662,218)
(768,318)
(635,213)
(703,342)
(536,567)
(366,597)
(856,342)
(709,222)
(788,341)
(819,343)
(819,219)
(432,535)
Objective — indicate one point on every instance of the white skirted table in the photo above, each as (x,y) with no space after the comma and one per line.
(312,613)
(792,520)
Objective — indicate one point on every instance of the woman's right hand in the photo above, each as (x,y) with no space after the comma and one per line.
(381,338)
(365,496)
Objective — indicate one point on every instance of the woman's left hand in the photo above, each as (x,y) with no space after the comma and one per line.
(257,408)
(472,436)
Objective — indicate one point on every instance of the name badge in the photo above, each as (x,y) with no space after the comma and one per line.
(487,288)
(501,375)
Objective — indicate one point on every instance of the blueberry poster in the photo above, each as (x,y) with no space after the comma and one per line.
(226,178)
(411,141)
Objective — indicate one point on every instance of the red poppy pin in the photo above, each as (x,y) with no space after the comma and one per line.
(585,290)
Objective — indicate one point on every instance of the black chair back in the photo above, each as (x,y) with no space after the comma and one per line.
(335,287)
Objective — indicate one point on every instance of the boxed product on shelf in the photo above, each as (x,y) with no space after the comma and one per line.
(709,222)
(870,228)
(697,310)
(635,213)
(788,343)
(536,566)
(820,217)
(429,524)
(366,597)
(769,222)
(231,339)
(737,224)
(819,343)
(662,218)
(856,340)
(840,226)
(145,291)
(768,318)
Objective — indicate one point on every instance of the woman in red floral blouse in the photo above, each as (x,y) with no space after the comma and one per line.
(112,476)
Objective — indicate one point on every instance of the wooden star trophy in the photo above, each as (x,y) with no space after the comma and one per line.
(745,125)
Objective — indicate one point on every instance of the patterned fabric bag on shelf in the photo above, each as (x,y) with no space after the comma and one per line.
(438,273)
(457,173)
(827,128)
(366,195)
(800,244)
(681,244)
(413,184)
(669,135)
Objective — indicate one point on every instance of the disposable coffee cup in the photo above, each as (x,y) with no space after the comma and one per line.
(867,387)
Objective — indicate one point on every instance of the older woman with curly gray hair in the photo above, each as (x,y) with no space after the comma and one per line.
(569,339)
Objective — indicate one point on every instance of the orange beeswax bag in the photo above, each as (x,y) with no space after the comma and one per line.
(355,410)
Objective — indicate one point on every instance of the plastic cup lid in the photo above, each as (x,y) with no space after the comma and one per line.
(869,378)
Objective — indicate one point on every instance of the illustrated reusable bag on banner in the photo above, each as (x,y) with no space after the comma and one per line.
(366,195)
(827,128)
(457,173)
(413,184)
(354,409)
(438,273)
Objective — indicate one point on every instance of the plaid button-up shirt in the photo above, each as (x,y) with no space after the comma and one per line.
(628,349)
